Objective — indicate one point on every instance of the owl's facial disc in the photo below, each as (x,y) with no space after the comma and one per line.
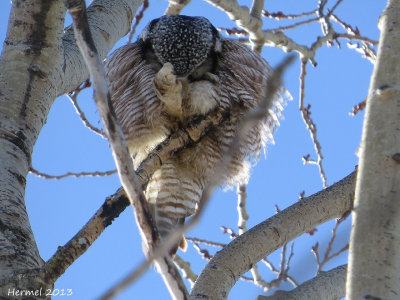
(188,43)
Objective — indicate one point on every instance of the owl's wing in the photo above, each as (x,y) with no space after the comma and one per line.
(243,76)
(135,102)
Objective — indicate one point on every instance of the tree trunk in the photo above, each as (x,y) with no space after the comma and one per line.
(27,90)
(374,256)
(38,63)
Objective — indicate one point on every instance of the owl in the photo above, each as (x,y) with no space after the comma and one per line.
(180,68)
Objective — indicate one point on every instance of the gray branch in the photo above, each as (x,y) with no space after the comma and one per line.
(222,272)
(328,285)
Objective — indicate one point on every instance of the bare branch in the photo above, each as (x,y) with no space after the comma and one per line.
(244,19)
(328,256)
(67,254)
(126,173)
(73,97)
(256,277)
(233,31)
(359,107)
(215,281)
(281,16)
(357,38)
(241,208)
(334,7)
(205,242)
(256,8)
(187,272)
(354,34)
(115,204)
(311,127)
(242,220)
(138,18)
(283,273)
(106,32)
(71,174)
(252,24)
(175,6)
(305,22)
(326,285)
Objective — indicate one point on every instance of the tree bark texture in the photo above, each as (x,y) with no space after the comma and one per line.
(28,68)
(328,285)
(39,62)
(225,268)
(374,255)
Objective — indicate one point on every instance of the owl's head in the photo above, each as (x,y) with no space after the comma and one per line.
(190,44)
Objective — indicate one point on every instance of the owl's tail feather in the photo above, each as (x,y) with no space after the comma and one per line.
(174,194)
(182,244)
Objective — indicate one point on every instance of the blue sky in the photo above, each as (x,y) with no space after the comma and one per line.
(58,209)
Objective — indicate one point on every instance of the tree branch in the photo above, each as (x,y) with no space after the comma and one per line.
(328,285)
(225,268)
(311,127)
(71,174)
(127,175)
(67,254)
(175,6)
(107,29)
(118,202)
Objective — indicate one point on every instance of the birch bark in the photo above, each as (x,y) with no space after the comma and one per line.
(39,62)
(374,255)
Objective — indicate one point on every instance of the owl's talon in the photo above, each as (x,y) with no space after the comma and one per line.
(169,90)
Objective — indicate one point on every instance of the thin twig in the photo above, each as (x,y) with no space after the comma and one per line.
(354,34)
(138,18)
(280,15)
(356,38)
(256,278)
(241,208)
(330,12)
(242,226)
(74,100)
(311,289)
(328,255)
(234,31)
(305,113)
(186,270)
(205,242)
(305,22)
(359,107)
(71,174)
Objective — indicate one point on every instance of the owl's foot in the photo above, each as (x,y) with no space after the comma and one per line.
(169,90)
